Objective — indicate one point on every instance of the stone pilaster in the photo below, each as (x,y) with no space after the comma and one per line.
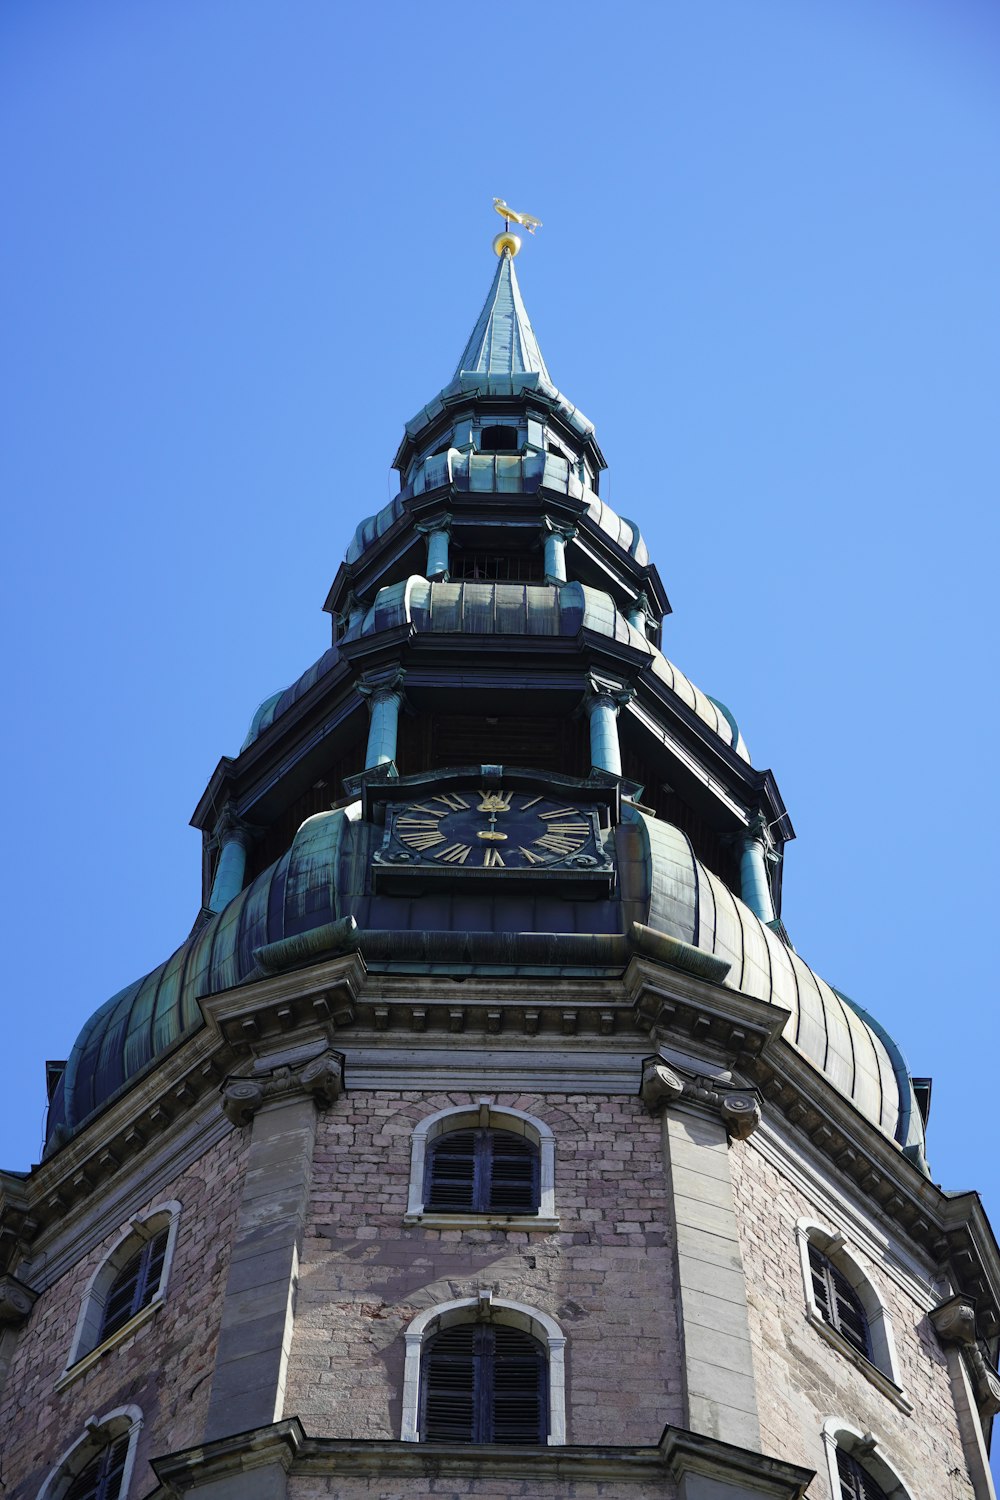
(248,1386)
(700,1116)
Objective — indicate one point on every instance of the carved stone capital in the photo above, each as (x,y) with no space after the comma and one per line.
(16,1301)
(606,692)
(377,688)
(565,529)
(955,1321)
(321,1078)
(662,1085)
(231,828)
(438,523)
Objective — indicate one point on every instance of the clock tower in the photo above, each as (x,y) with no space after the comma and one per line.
(486,1135)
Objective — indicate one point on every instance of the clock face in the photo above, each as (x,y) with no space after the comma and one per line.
(495,830)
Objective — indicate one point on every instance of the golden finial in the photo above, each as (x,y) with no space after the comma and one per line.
(507,243)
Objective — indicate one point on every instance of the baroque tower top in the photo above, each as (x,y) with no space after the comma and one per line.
(493,768)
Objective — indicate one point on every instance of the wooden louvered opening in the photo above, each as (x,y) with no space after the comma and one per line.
(482,1171)
(855,1482)
(839,1303)
(136,1284)
(483,1383)
(102,1478)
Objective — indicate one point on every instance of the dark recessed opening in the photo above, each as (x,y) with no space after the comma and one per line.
(498,440)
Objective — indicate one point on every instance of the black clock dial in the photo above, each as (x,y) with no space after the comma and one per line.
(495,830)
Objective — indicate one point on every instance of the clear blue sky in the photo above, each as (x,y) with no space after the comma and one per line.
(244,242)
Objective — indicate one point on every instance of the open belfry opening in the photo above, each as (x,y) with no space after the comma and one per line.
(486,1135)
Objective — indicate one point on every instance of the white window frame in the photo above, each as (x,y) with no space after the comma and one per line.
(98,1433)
(87,1348)
(866,1450)
(486,1115)
(883,1368)
(496,1310)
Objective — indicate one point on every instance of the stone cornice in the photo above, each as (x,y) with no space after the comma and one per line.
(338,1002)
(286,1446)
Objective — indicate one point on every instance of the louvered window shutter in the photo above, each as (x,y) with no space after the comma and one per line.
(855,1482)
(839,1303)
(102,1478)
(482,1171)
(484,1384)
(136,1284)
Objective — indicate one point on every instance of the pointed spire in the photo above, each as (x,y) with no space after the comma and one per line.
(503,341)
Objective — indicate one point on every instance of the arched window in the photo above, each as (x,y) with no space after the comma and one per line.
(482,1164)
(484,1370)
(838,1303)
(99,1465)
(483,1383)
(844,1304)
(855,1482)
(130,1281)
(858,1468)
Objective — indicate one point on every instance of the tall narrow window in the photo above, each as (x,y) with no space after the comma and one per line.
(135,1285)
(838,1302)
(482,1171)
(484,1383)
(855,1482)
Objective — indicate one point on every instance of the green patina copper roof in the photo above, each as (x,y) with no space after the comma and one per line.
(503,341)
(324,877)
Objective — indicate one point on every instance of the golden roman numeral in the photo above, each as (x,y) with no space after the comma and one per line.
(562,812)
(452,802)
(422,840)
(417,822)
(419,807)
(557,844)
(533,859)
(526,805)
(455,854)
(491,859)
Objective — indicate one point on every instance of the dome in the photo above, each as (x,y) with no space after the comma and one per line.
(322,878)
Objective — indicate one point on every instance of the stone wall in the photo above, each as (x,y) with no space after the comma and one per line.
(355,1487)
(164,1368)
(605,1275)
(802,1380)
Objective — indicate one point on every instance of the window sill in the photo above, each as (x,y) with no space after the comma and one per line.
(871,1372)
(434,1220)
(90,1359)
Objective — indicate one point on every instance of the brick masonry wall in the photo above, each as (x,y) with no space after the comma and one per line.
(605,1275)
(802,1380)
(164,1368)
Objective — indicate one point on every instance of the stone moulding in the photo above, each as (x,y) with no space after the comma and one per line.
(284,1447)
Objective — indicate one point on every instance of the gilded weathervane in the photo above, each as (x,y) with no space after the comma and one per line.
(507,243)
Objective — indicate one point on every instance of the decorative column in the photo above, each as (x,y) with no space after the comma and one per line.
(438,533)
(385,697)
(602,703)
(234,838)
(701,1117)
(555,536)
(755,884)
